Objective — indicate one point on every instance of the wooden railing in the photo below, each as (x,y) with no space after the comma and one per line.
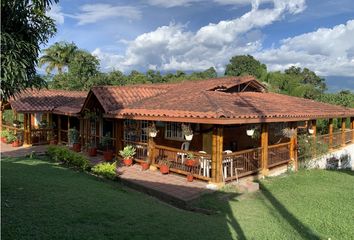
(348,136)
(278,154)
(41,136)
(241,163)
(177,159)
(337,140)
(141,149)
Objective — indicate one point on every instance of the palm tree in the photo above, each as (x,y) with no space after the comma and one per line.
(58,56)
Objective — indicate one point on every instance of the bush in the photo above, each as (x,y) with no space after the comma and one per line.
(309,149)
(63,154)
(105,169)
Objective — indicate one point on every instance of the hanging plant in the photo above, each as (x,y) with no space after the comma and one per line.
(151,130)
(289,132)
(187,131)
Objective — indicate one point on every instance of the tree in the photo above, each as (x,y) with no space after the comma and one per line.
(58,56)
(24,27)
(308,77)
(246,65)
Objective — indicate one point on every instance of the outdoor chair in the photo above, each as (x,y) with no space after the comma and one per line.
(183,155)
(205,165)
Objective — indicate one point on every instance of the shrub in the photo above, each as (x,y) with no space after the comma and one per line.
(309,149)
(4,133)
(105,169)
(63,154)
(11,137)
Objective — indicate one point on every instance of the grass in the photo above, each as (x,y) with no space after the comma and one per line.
(41,200)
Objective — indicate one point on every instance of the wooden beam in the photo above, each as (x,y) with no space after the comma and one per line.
(219,151)
(25,128)
(330,133)
(214,155)
(59,129)
(343,131)
(264,146)
(30,120)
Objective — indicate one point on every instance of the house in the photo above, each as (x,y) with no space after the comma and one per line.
(234,125)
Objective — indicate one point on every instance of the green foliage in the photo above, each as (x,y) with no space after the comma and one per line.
(73,135)
(105,169)
(343,98)
(106,140)
(310,148)
(68,157)
(24,27)
(11,137)
(245,65)
(128,151)
(4,133)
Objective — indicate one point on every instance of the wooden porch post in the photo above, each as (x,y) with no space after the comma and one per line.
(293,149)
(25,128)
(330,132)
(314,127)
(216,157)
(352,127)
(81,127)
(59,129)
(264,146)
(343,131)
(119,135)
(30,118)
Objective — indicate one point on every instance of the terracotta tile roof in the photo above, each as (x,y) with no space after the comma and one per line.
(195,99)
(57,101)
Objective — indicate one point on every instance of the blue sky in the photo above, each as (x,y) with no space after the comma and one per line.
(197,34)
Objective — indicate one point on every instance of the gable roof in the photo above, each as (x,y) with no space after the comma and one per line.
(44,100)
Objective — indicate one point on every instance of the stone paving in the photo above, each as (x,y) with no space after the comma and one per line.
(171,188)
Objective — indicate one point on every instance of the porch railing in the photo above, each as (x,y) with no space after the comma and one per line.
(19,132)
(177,159)
(141,149)
(241,163)
(41,136)
(278,154)
(337,140)
(348,136)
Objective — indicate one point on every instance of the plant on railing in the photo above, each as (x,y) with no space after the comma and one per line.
(128,153)
(107,144)
(105,169)
(187,131)
(73,136)
(310,148)
(164,166)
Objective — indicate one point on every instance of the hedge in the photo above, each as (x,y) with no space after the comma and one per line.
(68,157)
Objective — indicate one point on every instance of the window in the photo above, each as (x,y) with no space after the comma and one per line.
(134,130)
(173,131)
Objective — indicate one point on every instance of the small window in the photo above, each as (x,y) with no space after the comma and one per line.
(173,131)
(134,130)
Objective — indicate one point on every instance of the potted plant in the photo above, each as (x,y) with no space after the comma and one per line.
(146,164)
(4,134)
(165,166)
(190,162)
(91,148)
(190,177)
(106,143)
(187,132)
(12,138)
(128,153)
(151,130)
(73,135)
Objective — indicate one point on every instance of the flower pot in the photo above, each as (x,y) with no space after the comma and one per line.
(92,152)
(16,143)
(4,139)
(311,131)
(128,161)
(190,178)
(189,137)
(190,162)
(250,132)
(152,134)
(77,147)
(164,169)
(108,155)
(53,142)
(145,166)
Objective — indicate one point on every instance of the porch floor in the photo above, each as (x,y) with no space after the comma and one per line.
(171,188)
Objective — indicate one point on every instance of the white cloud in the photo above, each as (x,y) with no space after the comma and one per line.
(328,51)
(172,3)
(91,13)
(173,47)
(56,13)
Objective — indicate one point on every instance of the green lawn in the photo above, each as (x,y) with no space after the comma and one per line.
(41,200)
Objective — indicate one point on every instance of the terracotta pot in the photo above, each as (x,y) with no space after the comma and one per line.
(190,178)
(164,169)
(145,166)
(108,155)
(16,143)
(4,139)
(77,147)
(92,152)
(128,161)
(190,162)
(53,142)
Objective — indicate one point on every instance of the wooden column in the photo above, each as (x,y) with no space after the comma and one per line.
(264,146)
(216,157)
(330,133)
(30,120)
(119,135)
(59,129)
(25,128)
(352,127)
(151,150)
(81,129)
(343,131)
(314,127)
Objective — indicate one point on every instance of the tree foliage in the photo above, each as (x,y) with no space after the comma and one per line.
(246,65)
(24,27)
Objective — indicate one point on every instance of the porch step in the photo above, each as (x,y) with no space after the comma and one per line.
(247,187)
